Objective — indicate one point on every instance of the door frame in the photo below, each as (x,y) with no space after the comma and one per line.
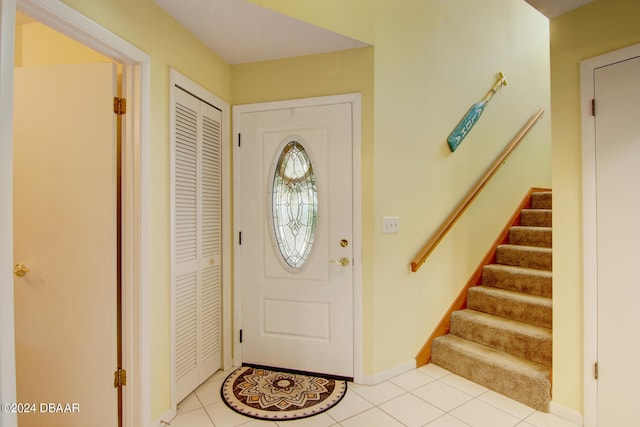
(355,99)
(136,66)
(589,224)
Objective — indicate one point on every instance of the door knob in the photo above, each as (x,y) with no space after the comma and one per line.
(344,261)
(20,270)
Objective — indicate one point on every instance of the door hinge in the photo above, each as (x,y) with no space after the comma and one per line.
(595,370)
(241,336)
(593,107)
(239,139)
(119,106)
(119,378)
(240,238)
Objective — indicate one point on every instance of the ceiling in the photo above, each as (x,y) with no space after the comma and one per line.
(553,8)
(240,31)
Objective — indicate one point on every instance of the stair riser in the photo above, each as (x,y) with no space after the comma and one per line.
(536,218)
(541,200)
(521,281)
(537,312)
(531,390)
(524,256)
(531,236)
(535,347)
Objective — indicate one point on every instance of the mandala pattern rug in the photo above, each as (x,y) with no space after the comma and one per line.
(274,395)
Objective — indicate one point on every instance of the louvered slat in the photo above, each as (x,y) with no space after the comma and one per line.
(186,190)
(210,312)
(211,185)
(186,324)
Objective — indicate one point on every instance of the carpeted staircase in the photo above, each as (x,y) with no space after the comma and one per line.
(502,339)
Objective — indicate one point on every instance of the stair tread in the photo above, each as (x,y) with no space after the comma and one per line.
(529,235)
(522,380)
(532,309)
(525,248)
(526,280)
(525,256)
(536,217)
(494,321)
(513,295)
(521,271)
(542,199)
(496,357)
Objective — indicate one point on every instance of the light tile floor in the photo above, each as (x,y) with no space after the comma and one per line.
(427,396)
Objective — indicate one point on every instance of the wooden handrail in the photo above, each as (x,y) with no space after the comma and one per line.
(462,207)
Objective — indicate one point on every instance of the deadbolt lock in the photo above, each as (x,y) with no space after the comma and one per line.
(344,243)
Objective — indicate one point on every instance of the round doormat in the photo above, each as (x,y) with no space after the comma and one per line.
(274,395)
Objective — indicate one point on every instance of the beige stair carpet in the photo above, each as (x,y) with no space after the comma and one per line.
(503,339)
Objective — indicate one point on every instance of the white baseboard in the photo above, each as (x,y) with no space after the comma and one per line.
(566,413)
(388,374)
(165,419)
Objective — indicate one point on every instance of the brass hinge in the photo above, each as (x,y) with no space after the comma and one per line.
(593,107)
(119,106)
(119,378)
(595,370)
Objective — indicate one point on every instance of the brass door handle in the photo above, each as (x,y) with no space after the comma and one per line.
(344,261)
(20,270)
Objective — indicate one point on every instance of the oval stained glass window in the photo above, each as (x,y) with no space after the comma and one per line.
(294,204)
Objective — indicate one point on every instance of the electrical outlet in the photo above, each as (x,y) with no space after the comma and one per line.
(391,224)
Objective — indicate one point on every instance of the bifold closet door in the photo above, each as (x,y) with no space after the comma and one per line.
(196,241)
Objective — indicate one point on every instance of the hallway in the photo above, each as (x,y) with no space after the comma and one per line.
(428,396)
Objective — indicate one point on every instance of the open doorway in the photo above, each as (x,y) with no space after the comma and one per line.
(67,222)
(135,197)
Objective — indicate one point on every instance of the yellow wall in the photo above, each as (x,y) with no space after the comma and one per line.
(597,28)
(432,60)
(37,44)
(146,26)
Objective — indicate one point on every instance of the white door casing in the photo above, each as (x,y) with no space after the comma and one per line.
(611,153)
(299,318)
(7,336)
(65,232)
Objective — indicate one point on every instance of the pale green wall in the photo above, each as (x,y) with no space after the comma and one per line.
(595,29)
(146,26)
(432,60)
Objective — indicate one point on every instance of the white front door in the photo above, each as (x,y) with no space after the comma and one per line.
(65,233)
(294,217)
(617,151)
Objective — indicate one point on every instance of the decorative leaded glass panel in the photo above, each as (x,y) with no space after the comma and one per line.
(294,204)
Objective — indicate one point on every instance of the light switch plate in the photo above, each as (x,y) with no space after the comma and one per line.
(391,224)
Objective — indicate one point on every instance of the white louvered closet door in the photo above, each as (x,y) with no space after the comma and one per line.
(196,241)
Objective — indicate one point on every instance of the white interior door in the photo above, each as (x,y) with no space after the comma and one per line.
(617,95)
(294,213)
(65,233)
